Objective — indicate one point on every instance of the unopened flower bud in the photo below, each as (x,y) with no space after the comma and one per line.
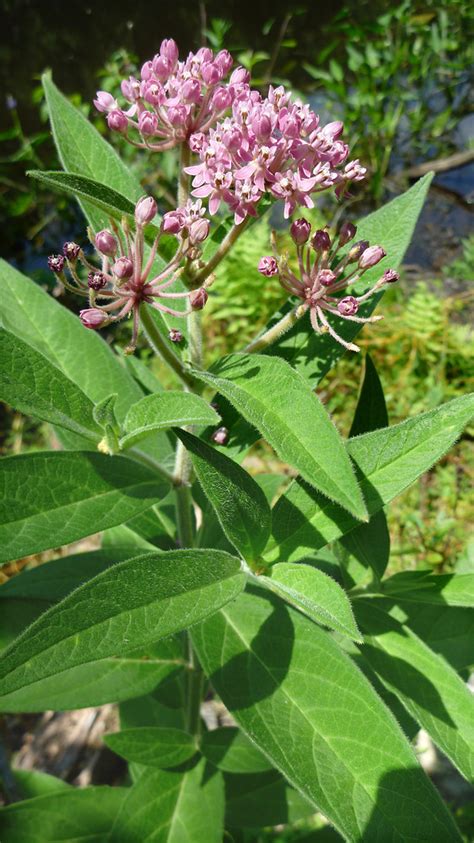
(222,99)
(220,436)
(123,268)
(199,231)
(240,76)
(145,210)
(169,50)
(356,250)
(300,231)
(390,276)
(104,101)
(321,241)
(326,277)
(198,298)
(348,232)
(172,222)
(106,243)
(92,317)
(147,124)
(56,263)
(211,73)
(96,280)
(71,251)
(348,306)
(175,335)
(371,256)
(224,60)
(268,266)
(117,121)
(191,91)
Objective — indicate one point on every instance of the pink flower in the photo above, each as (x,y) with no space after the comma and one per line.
(145,210)
(268,266)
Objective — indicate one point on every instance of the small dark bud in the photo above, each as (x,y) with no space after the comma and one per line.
(300,231)
(71,251)
(198,298)
(175,335)
(96,280)
(56,263)
(371,256)
(220,436)
(390,276)
(348,232)
(321,241)
(356,250)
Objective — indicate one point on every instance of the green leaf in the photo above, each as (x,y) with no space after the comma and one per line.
(371,411)
(429,689)
(276,400)
(165,410)
(231,751)
(130,605)
(262,799)
(365,551)
(315,594)
(33,783)
(392,227)
(32,385)
(66,816)
(314,715)
(83,151)
(56,333)
(239,503)
(53,498)
(153,746)
(388,460)
(173,807)
(107,200)
(448,630)
(434,589)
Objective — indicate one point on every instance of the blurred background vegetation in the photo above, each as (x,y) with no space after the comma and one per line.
(400,76)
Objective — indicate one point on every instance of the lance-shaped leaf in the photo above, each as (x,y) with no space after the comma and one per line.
(315,716)
(130,605)
(48,499)
(448,630)
(35,783)
(83,151)
(278,402)
(433,589)
(108,200)
(315,594)
(392,227)
(371,411)
(173,807)
(153,746)
(262,799)
(68,814)
(165,410)
(388,461)
(230,750)
(32,385)
(427,686)
(238,501)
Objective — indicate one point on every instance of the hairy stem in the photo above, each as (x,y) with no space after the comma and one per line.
(183,185)
(221,252)
(161,347)
(280,328)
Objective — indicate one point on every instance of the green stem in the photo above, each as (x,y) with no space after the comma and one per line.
(183,184)
(139,456)
(274,333)
(221,252)
(161,347)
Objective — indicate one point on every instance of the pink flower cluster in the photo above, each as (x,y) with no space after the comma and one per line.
(269,145)
(322,276)
(172,99)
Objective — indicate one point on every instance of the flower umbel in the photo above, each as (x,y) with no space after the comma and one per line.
(124,280)
(323,276)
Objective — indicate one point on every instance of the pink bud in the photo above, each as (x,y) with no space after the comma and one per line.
(175,335)
(117,121)
(162,68)
(104,101)
(147,123)
(123,268)
(92,317)
(153,93)
(348,306)
(321,241)
(356,250)
(177,115)
(333,130)
(198,298)
(300,231)
(96,280)
(71,251)
(173,222)
(169,50)
(145,210)
(224,61)
(268,266)
(390,276)
(211,73)
(326,277)
(56,263)
(191,91)
(220,436)
(130,89)
(348,232)
(240,76)
(221,99)
(106,243)
(198,231)
(371,256)
(262,126)
(146,71)
(204,55)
